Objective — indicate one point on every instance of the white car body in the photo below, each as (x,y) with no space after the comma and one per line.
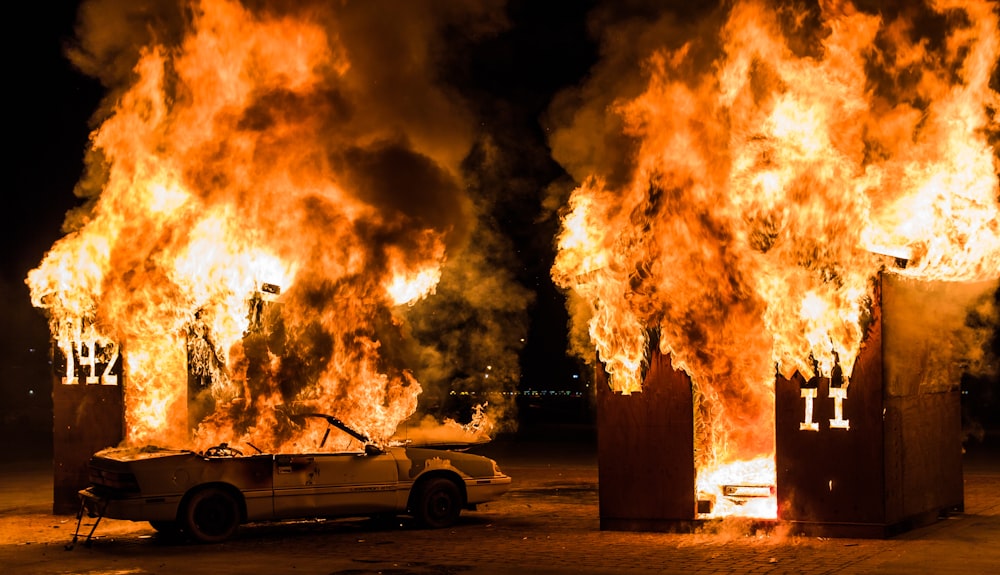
(207,495)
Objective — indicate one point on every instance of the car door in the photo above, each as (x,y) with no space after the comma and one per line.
(349,483)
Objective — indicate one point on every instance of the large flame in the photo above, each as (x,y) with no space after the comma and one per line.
(735,195)
(262,213)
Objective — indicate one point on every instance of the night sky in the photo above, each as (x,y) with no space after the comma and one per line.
(50,111)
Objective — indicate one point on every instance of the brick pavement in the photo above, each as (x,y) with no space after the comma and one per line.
(547,524)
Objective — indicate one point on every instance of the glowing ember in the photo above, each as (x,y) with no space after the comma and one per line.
(253,223)
(740,489)
(760,168)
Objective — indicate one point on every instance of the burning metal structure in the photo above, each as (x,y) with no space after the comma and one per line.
(885,453)
(871,459)
(730,252)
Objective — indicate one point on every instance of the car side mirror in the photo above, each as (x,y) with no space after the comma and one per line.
(371,449)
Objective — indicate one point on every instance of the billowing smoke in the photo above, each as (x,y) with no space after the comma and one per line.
(277,201)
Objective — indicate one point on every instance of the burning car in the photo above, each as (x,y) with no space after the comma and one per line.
(208,495)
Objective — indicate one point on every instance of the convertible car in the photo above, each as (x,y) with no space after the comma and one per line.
(208,495)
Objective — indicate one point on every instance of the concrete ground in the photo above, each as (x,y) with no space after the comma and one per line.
(547,524)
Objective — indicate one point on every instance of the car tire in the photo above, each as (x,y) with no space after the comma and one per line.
(211,515)
(438,503)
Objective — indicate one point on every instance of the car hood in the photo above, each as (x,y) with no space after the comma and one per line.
(413,453)
(140,453)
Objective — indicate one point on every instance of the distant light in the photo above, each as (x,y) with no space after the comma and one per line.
(576,376)
(31,392)
(489,367)
(522,340)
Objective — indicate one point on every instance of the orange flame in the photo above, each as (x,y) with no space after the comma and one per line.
(226,175)
(760,175)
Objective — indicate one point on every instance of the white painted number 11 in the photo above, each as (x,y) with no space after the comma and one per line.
(838,395)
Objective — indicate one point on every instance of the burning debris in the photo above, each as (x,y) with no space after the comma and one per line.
(738,187)
(275,206)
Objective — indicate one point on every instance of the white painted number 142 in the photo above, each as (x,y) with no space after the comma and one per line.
(88,359)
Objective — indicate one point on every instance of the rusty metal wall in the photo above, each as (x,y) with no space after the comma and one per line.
(88,415)
(645,448)
(922,390)
(871,460)
(892,459)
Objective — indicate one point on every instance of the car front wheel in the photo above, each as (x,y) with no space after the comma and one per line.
(212,515)
(438,503)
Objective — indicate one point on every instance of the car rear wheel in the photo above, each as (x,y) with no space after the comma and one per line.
(212,515)
(438,503)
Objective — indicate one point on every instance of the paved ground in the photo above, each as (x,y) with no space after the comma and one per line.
(547,524)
